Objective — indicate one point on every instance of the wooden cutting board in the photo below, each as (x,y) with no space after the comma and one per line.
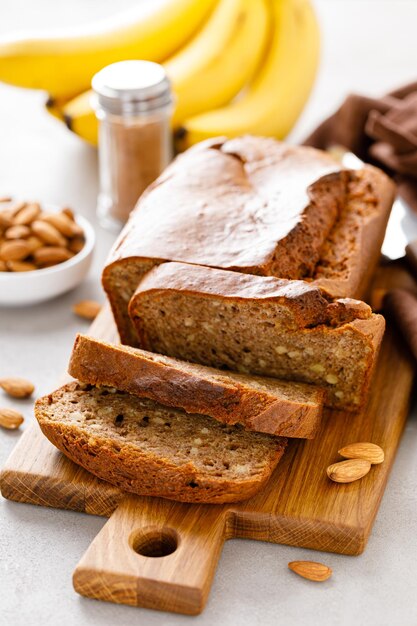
(160,554)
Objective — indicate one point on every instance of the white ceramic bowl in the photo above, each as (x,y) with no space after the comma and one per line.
(23,288)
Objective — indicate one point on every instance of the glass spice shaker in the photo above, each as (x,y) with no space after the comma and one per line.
(133,103)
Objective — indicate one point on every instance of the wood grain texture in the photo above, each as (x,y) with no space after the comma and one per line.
(300,506)
(113,570)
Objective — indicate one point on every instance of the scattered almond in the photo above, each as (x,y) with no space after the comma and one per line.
(20,266)
(368,451)
(51,255)
(17,232)
(14,250)
(11,419)
(3,266)
(27,214)
(348,471)
(5,199)
(311,570)
(17,387)
(48,233)
(88,309)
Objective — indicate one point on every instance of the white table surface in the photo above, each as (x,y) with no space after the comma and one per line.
(369,46)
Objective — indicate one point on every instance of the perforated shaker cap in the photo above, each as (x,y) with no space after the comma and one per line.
(132,87)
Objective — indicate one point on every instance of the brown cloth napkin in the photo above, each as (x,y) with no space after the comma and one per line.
(397,295)
(382,131)
(402,305)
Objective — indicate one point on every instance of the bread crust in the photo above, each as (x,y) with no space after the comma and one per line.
(303,304)
(259,404)
(141,473)
(257,206)
(231,203)
(345,318)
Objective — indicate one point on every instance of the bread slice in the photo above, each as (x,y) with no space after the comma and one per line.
(258,403)
(258,206)
(149,449)
(260,325)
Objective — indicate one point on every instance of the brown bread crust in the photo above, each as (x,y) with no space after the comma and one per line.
(302,304)
(257,206)
(338,353)
(233,204)
(259,404)
(140,471)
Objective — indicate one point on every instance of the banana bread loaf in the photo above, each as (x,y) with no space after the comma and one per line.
(257,206)
(149,449)
(259,325)
(258,403)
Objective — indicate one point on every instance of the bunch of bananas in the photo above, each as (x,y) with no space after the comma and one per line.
(236,66)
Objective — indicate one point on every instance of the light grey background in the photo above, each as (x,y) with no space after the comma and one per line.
(368,46)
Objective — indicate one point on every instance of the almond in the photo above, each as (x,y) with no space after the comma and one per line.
(348,471)
(63,224)
(20,266)
(88,309)
(76,244)
(3,266)
(68,212)
(14,250)
(17,206)
(5,199)
(48,233)
(311,570)
(17,232)
(34,243)
(51,255)
(5,219)
(17,387)
(27,214)
(363,450)
(11,419)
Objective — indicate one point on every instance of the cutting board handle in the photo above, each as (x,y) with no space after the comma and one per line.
(154,553)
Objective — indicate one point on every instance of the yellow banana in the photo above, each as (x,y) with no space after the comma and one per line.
(275,99)
(63,64)
(208,72)
(79,117)
(221,59)
(54,107)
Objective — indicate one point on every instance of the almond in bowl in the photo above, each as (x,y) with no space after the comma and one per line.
(44,251)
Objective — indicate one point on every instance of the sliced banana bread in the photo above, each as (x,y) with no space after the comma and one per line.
(255,205)
(149,449)
(259,325)
(259,404)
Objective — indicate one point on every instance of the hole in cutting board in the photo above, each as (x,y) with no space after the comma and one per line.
(155,542)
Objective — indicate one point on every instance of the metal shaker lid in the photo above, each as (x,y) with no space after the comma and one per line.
(132,87)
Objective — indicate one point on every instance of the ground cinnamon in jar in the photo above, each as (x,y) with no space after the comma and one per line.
(133,103)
